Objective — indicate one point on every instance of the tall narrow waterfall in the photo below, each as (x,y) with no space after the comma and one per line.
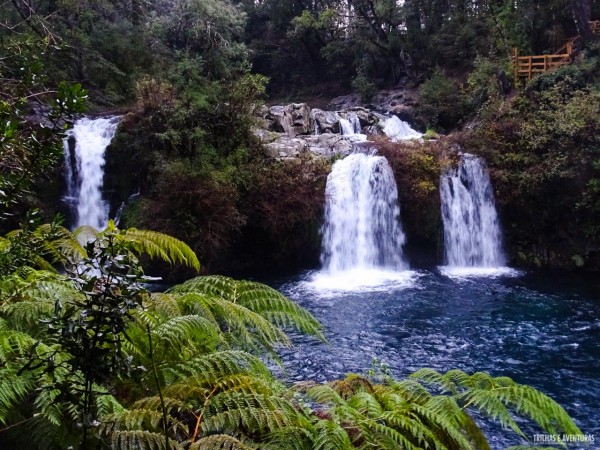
(362,226)
(472,234)
(85,169)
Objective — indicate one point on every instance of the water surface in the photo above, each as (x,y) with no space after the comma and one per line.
(539,329)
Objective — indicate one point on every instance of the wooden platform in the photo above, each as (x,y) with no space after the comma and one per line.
(526,67)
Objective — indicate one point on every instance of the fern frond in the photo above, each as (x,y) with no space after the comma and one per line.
(220,442)
(330,436)
(132,419)
(445,414)
(211,368)
(325,394)
(500,398)
(366,404)
(155,403)
(38,433)
(141,440)
(107,404)
(258,298)
(243,328)
(179,331)
(252,412)
(63,244)
(166,305)
(13,343)
(13,388)
(159,245)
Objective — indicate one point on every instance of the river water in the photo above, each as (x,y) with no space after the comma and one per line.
(539,329)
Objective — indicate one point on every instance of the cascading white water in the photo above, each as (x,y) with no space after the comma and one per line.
(472,235)
(85,173)
(350,128)
(354,122)
(362,227)
(346,128)
(398,130)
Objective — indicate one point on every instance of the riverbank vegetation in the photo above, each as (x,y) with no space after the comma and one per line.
(189,74)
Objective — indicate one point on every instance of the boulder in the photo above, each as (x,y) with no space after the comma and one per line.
(294,119)
(327,121)
(286,147)
(265,135)
(366,117)
(401,102)
(329,144)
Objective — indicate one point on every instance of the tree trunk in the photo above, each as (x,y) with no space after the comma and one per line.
(582,13)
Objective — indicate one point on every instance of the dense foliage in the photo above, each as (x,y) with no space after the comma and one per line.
(542,147)
(90,359)
(191,72)
(371,43)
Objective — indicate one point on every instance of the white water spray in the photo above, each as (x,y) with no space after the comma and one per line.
(85,173)
(472,234)
(398,130)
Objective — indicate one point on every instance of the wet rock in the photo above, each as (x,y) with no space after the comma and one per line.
(401,102)
(327,121)
(329,144)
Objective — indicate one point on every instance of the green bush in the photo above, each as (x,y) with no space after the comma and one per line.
(442,106)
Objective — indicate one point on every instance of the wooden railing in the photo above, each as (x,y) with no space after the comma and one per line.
(526,67)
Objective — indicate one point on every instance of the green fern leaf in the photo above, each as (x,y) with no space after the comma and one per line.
(159,245)
(220,442)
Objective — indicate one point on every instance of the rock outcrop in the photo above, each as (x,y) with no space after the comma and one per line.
(401,102)
(293,119)
(290,131)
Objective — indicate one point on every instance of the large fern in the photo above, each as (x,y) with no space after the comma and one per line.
(194,330)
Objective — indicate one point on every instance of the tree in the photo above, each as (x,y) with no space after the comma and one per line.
(582,14)
(29,148)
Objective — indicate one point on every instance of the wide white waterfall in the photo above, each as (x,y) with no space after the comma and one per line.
(362,225)
(398,130)
(472,234)
(85,169)
(362,233)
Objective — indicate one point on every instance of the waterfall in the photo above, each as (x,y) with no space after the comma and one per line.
(346,128)
(354,122)
(362,228)
(350,125)
(350,128)
(84,169)
(472,234)
(397,130)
